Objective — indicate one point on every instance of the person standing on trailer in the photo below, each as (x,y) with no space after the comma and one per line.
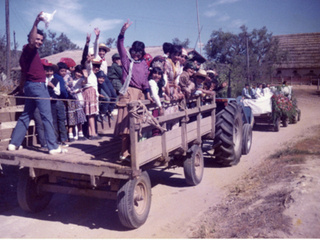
(33,74)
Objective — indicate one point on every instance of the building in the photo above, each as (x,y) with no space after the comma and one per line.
(303,63)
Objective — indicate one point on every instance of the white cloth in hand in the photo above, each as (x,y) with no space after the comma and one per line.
(47,18)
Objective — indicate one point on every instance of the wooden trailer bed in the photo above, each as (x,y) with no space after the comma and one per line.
(92,167)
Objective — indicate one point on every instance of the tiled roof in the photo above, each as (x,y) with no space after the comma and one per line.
(303,50)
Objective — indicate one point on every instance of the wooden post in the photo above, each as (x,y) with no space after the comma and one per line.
(198,120)
(133,138)
(213,118)
(184,137)
(8,54)
(164,142)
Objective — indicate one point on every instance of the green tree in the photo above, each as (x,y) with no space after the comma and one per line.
(231,52)
(52,44)
(109,42)
(184,44)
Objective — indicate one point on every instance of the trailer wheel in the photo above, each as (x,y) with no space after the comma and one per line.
(247,138)
(285,121)
(228,138)
(30,196)
(299,115)
(134,201)
(193,166)
(277,125)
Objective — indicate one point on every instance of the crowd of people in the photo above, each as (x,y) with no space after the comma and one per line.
(256,91)
(259,90)
(80,95)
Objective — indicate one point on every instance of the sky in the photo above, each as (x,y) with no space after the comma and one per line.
(155,22)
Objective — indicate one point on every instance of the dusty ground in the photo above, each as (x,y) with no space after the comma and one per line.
(275,197)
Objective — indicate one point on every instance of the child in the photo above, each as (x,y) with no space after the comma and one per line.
(76,115)
(60,107)
(100,52)
(155,75)
(53,86)
(103,96)
(200,77)
(115,73)
(90,97)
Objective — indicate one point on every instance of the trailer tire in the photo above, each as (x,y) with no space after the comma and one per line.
(134,201)
(247,138)
(228,137)
(30,196)
(285,121)
(193,166)
(277,125)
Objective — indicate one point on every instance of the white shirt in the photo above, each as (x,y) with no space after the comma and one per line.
(56,89)
(104,64)
(154,91)
(259,93)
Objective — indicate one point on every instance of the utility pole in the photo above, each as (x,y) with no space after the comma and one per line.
(8,55)
(199,31)
(14,47)
(248,71)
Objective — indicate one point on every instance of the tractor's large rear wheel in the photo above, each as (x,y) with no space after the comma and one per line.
(228,139)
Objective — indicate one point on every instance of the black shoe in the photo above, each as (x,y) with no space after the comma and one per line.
(95,137)
(111,116)
(64,144)
(104,117)
(99,118)
(82,138)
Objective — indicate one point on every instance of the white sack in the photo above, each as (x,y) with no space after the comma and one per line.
(259,106)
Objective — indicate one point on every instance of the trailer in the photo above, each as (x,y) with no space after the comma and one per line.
(92,168)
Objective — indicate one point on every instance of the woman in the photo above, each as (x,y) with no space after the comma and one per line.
(135,82)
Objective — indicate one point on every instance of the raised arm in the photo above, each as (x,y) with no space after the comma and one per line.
(33,33)
(96,43)
(85,50)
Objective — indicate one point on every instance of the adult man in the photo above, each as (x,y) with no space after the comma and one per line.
(245,92)
(33,74)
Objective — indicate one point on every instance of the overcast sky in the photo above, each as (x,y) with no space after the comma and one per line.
(155,22)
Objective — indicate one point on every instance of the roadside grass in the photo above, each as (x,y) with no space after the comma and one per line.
(254,206)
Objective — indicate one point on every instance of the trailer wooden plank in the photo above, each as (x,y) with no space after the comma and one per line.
(174,139)
(9,116)
(149,149)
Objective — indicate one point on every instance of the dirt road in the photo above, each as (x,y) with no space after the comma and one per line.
(175,207)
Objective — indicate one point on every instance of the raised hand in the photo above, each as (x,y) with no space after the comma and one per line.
(39,18)
(89,58)
(88,38)
(97,32)
(125,26)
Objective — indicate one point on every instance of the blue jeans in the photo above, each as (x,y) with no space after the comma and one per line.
(39,128)
(36,90)
(61,121)
(109,90)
